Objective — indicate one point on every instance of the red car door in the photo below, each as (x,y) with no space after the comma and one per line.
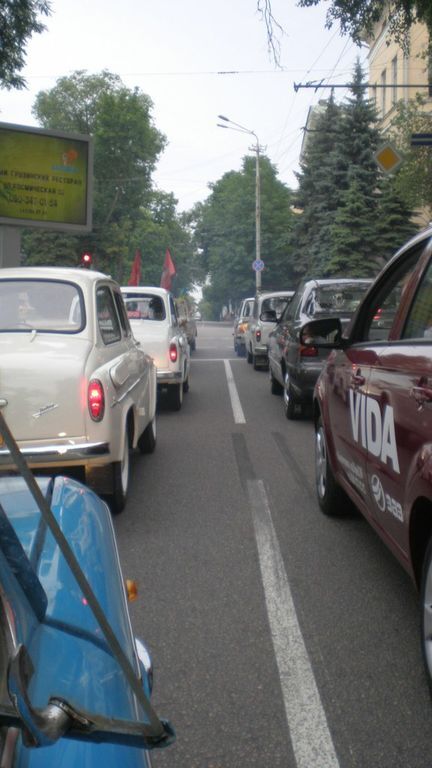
(401,390)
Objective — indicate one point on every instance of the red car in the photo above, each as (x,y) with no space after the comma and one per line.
(373,415)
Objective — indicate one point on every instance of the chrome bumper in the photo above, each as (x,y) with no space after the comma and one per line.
(169,377)
(56,454)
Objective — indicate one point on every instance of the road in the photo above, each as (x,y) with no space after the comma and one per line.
(279,637)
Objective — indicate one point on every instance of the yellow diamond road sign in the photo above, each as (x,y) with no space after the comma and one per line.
(388,158)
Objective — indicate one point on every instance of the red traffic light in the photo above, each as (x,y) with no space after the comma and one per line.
(86,260)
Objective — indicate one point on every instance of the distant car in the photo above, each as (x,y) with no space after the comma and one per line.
(153,317)
(75,387)
(267,308)
(240,325)
(187,322)
(293,367)
(76,683)
(373,417)
(197,315)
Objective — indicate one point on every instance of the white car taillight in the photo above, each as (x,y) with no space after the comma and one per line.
(173,353)
(96,400)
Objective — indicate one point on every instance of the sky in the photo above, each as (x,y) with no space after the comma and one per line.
(196,59)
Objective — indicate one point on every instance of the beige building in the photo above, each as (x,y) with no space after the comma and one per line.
(394,75)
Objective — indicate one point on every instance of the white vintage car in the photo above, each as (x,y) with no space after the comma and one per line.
(155,323)
(76,388)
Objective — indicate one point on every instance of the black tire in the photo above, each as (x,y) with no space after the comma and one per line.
(332,499)
(426,612)
(275,387)
(249,356)
(147,441)
(186,383)
(291,407)
(175,396)
(120,480)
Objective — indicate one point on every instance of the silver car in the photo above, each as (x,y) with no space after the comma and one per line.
(259,326)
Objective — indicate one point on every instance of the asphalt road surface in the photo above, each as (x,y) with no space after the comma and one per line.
(279,637)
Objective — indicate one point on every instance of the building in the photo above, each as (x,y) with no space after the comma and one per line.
(395,75)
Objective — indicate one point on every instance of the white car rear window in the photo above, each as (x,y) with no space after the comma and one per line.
(42,305)
(145,307)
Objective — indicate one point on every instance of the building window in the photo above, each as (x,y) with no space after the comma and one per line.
(394,80)
(383,92)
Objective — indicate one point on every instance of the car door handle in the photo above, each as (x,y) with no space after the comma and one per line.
(357,379)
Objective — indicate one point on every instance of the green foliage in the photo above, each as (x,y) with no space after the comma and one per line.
(414,178)
(128,214)
(357,17)
(19,20)
(225,228)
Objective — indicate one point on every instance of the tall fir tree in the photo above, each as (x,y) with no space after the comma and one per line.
(317,194)
(341,229)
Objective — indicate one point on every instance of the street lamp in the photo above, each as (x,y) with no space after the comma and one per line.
(237,127)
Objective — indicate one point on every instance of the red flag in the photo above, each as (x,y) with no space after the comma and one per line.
(135,275)
(168,271)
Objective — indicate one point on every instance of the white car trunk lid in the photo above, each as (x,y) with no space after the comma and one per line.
(154,338)
(52,371)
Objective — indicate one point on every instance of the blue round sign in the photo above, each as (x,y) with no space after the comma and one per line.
(258,265)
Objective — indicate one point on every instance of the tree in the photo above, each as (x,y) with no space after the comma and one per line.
(127,212)
(19,20)
(319,191)
(414,177)
(357,17)
(394,223)
(225,229)
(343,195)
(126,142)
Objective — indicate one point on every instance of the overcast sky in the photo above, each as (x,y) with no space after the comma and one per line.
(175,51)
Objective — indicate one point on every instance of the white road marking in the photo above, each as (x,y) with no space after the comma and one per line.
(212,359)
(307,723)
(235,400)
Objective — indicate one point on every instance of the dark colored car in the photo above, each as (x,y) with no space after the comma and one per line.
(294,368)
(373,415)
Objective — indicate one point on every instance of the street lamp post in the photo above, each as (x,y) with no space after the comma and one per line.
(237,127)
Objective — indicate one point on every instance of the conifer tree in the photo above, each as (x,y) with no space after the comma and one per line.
(345,225)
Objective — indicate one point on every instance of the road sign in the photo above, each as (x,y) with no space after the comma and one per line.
(388,158)
(421,139)
(258,265)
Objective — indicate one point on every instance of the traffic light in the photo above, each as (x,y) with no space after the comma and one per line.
(86,260)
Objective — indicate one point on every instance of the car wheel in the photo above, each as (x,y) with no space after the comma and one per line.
(249,356)
(290,406)
(175,396)
(275,387)
(331,498)
(426,611)
(120,473)
(147,441)
(186,383)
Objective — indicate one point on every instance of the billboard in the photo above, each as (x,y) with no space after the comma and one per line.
(46,179)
